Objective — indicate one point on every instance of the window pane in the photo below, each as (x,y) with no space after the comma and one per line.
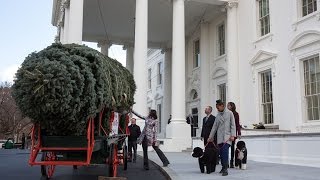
(266,88)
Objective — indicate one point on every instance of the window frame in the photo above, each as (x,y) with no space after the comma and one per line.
(265,18)
(263,96)
(305,96)
(159,75)
(149,78)
(221,49)
(314,4)
(196,57)
(224,99)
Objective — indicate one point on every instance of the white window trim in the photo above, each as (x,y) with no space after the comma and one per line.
(219,76)
(258,35)
(302,58)
(300,19)
(262,62)
(261,115)
(218,90)
(302,47)
(218,42)
(193,54)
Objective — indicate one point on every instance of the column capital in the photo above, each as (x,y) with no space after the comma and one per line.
(164,50)
(127,45)
(104,43)
(231,4)
(66,4)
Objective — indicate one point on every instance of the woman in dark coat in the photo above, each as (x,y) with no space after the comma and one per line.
(232,107)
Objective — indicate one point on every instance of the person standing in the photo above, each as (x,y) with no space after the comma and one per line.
(148,137)
(132,140)
(232,107)
(207,124)
(224,126)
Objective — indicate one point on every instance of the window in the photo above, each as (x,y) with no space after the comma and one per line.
(159,73)
(149,78)
(267,102)
(308,7)
(264,17)
(196,54)
(159,117)
(312,87)
(221,34)
(222,92)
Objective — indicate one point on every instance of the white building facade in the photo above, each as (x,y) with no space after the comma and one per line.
(261,54)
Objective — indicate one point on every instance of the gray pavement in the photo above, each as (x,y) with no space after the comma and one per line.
(14,166)
(184,167)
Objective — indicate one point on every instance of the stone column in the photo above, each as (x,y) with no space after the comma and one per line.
(167,76)
(204,69)
(75,22)
(178,129)
(65,33)
(140,57)
(104,47)
(232,54)
(129,58)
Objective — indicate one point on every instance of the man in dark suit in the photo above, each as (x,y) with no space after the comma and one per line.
(207,124)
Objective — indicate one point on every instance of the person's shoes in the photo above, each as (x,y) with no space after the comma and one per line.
(224,170)
(146,167)
(221,170)
(231,164)
(225,173)
(129,160)
(134,161)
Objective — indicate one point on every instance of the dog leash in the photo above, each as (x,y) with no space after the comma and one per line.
(216,145)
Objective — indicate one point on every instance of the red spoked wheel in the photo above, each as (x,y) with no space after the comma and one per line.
(113,160)
(48,170)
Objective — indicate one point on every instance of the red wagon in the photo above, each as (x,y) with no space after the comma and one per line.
(98,146)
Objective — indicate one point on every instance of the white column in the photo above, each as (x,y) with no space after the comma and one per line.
(62,35)
(178,63)
(232,53)
(178,129)
(204,68)
(66,24)
(75,21)
(167,76)
(140,56)
(129,58)
(104,47)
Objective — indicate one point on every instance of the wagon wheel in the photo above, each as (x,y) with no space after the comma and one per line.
(125,156)
(113,160)
(48,170)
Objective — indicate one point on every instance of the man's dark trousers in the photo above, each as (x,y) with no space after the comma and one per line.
(133,145)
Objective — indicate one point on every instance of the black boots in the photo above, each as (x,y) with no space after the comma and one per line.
(231,164)
(224,170)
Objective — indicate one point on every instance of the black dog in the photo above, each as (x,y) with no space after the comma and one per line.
(207,158)
(241,155)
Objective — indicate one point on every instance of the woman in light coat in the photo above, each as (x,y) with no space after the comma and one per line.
(148,137)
